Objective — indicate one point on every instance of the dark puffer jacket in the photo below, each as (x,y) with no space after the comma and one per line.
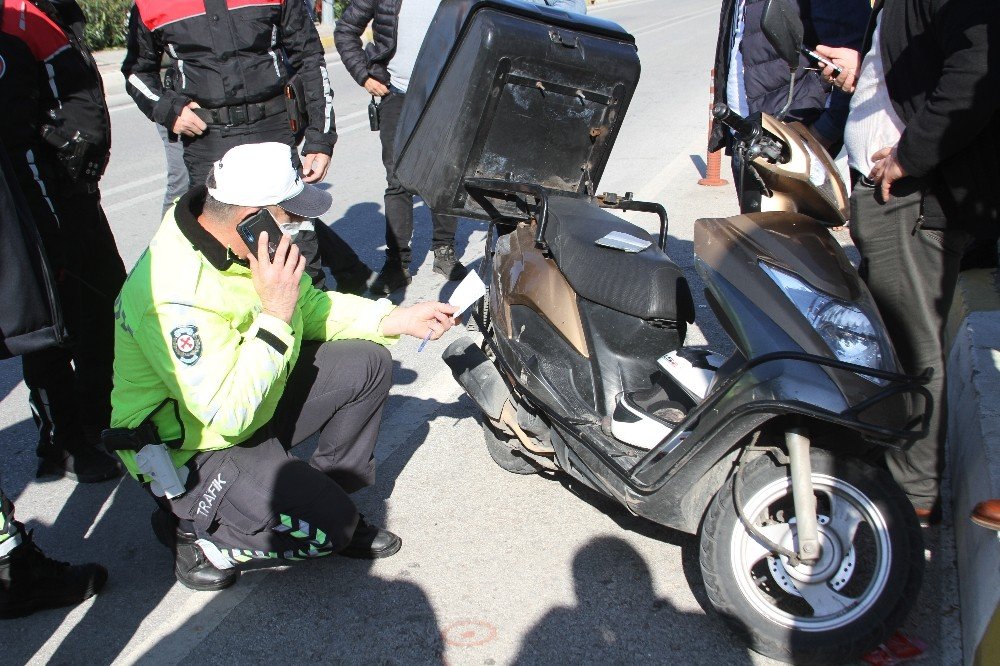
(765,76)
(370,62)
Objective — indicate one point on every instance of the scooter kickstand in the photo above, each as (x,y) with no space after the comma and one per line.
(807,528)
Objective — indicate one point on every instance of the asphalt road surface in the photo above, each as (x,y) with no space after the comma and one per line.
(495,568)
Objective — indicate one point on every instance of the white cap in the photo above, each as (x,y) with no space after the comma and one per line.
(262,174)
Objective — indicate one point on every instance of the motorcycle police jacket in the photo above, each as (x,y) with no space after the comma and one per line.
(189,328)
(50,87)
(229,53)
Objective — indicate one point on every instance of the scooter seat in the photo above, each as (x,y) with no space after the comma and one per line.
(644,284)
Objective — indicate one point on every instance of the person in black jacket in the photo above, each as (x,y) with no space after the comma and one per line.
(383,69)
(29,580)
(923,137)
(57,135)
(229,90)
(751,78)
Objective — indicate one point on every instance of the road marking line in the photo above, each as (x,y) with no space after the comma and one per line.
(155,194)
(135,183)
(671,22)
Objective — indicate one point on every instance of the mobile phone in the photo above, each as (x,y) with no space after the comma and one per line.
(250,228)
(820,60)
(374,119)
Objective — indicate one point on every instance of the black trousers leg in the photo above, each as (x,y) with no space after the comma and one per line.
(70,388)
(10,530)
(256,500)
(911,272)
(398,201)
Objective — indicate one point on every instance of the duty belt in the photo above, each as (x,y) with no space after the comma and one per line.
(242,114)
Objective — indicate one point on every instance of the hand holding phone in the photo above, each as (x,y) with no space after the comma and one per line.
(278,281)
(820,60)
(250,228)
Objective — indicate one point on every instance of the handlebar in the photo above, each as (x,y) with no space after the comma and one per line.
(744,128)
(758,142)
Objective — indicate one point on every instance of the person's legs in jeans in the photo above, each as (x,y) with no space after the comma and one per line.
(911,272)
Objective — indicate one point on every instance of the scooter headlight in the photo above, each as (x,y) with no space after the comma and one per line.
(845,327)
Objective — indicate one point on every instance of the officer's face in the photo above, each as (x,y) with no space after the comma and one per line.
(283,217)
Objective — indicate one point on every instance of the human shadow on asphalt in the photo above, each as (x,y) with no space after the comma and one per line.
(618,615)
(105,523)
(10,376)
(331,609)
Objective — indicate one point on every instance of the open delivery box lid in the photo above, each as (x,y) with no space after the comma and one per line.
(505,89)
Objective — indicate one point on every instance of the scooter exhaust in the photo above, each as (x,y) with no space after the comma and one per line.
(478,376)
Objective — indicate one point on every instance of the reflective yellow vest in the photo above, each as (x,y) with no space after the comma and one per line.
(187,331)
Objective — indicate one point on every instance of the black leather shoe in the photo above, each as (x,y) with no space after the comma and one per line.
(193,569)
(446,263)
(371,543)
(30,581)
(85,465)
(392,277)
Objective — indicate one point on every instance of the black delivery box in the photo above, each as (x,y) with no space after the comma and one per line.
(505,89)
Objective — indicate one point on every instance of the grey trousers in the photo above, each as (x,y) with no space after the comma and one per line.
(911,272)
(177,173)
(256,500)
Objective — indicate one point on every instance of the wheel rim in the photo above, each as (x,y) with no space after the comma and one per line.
(850,576)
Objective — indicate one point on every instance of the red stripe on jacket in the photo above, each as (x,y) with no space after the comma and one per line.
(158,13)
(28,23)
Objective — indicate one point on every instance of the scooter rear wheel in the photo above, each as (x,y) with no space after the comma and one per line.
(859,592)
(505,451)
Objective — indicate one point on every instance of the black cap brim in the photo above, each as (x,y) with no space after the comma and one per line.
(311,202)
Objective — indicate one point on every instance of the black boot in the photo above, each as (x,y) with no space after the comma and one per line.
(65,448)
(393,276)
(371,543)
(446,263)
(29,581)
(193,569)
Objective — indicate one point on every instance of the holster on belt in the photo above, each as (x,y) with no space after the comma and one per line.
(295,101)
(152,457)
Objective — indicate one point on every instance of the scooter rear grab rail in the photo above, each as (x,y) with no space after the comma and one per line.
(541,195)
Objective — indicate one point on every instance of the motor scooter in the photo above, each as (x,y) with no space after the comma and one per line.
(808,548)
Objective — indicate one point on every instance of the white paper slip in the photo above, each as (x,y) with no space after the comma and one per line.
(469,290)
(622,241)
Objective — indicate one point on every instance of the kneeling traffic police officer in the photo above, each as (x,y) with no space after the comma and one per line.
(225,359)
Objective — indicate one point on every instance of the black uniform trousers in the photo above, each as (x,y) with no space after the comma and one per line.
(257,500)
(202,151)
(399,201)
(911,272)
(70,387)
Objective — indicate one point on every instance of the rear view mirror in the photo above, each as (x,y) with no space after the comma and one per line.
(783,28)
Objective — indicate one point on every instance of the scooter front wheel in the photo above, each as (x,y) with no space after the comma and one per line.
(854,596)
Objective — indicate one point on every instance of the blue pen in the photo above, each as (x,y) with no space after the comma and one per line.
(423,343)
